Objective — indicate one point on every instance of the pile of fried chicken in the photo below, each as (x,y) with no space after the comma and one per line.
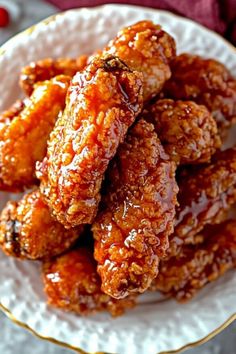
(130,189)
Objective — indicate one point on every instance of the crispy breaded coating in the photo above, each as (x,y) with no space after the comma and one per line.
(145,47)
(72,284)
(13,111)
(187,130)
(46,69)
(23,139)
(196,266)
(28,231)
(207,82)
(131,232)
(5,120)
(102,103)
(205,196)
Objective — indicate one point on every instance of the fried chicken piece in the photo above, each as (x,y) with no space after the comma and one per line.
(145,47)
(13,111)
(28,231)
(183,277)
(5,119)
(72,284)
(24,136)
(204,198)
(46,69)
(102,103)
(207,82)
(131,232)
(187,131)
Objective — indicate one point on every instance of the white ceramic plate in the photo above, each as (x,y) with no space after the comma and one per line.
(152,327)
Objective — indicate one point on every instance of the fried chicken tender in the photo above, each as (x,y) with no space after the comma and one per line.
(5,119)
(23,137)
(187,131)
(102,103)
(28,231)
(145,47)
(72,283)
(183,277)
(204,198)
(131,232)
(13,111)
(207,82)
(48,68)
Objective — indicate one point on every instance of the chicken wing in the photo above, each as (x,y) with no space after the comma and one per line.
(145,47)
(131,232)
(102,103)
(207,82)
(46,69)
(196,266)
(23,137)
(28,231)
(187,130)
(72,284)
(204,198)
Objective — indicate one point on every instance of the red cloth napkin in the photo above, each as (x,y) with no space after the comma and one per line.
(218,15)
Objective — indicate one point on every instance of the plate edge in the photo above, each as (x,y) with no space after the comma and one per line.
(195,344)
(5,310)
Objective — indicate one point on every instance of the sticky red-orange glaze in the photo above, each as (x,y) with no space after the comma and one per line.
(47,68)
(5,120)
(102,103)
(205,196)
(145,47)
(207,82)
(131,233)
(24,137)
(187,130)
(198,265)
(72,284)
(28,231)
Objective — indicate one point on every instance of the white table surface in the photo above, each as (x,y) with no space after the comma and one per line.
(14,339)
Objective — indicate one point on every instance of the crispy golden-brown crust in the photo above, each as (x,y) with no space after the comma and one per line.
(198,265)
(145,47)
(187,130)
(72,283)
(5,120)
(131,233)
(28,231)
(47,68)
(24,138)
(13,111)
(102,103)
(204,198)
(207,82)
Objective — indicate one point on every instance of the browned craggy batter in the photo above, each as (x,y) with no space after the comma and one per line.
(28,231)
(187,130)
(131,233)
(196,266)
(110,153)
(204,198)
(23,137)
(72,283)
(145,47)
(102,103)
(207,82)
(48,68)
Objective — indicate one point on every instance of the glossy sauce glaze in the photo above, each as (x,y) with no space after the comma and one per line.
(23,140)
(197,265)
(72,283)
(96,118)
(131,232)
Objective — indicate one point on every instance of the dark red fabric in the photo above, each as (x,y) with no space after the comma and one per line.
(218,15)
